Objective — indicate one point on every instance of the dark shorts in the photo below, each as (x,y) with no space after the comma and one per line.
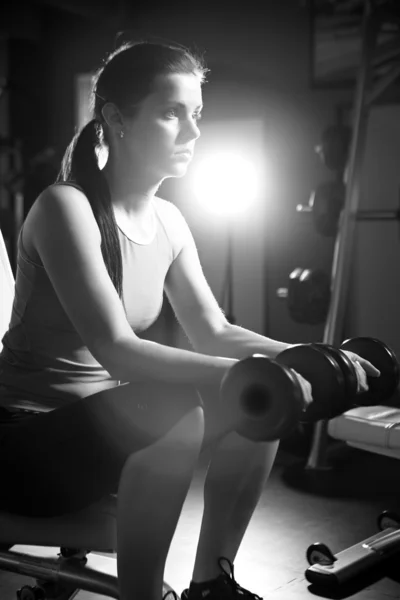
(71,457)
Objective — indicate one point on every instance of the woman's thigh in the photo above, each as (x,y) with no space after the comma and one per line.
(64,460)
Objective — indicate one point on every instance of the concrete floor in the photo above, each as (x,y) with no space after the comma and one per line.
(338,507)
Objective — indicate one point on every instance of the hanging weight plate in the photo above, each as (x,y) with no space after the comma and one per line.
(326,204)
(333,148)
(308,295)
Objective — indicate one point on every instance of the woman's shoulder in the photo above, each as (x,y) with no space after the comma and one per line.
(64,197)
(59,206)
(62,189)
(174,223)
(166,207)
(170,212)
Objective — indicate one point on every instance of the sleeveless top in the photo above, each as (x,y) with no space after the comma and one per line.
(44,362)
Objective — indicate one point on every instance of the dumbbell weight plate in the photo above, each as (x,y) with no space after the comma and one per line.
(388,519)
(262,400)
(383,358)
(308,295)
(319,554)
(326,204)
(349,374)
(324,374)
(334,146)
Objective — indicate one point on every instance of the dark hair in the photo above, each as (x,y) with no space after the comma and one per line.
(125,79)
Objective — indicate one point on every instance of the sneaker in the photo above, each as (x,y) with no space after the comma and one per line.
(224,587)
(170,595)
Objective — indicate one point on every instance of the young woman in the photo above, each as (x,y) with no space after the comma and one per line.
(121,414)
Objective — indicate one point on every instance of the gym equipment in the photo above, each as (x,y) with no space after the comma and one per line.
(333,149)
(376,17)
(326,204)
(262,399)
(60,575)
(326,378)
(349,373)
(328,569)
(307,295)
(382,388)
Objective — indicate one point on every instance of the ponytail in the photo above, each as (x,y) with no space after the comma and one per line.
(80,165)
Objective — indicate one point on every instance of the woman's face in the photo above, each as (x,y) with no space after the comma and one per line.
(165,126)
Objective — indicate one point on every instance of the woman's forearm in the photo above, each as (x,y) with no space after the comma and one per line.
(236,342)
(137,360)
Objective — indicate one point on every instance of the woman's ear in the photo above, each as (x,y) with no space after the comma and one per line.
(112,116)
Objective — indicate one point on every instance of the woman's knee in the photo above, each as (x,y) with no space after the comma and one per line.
(174,454)
(188,432)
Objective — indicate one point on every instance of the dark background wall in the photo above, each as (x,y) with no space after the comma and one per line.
(259,56)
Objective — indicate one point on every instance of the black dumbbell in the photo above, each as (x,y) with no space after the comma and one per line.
(262,399)
(381,356)
(349,373)
(321,369)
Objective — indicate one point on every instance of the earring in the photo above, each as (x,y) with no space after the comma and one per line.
(121,134)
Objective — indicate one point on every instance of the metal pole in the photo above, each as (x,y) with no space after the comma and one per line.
(341,268)
(375,214)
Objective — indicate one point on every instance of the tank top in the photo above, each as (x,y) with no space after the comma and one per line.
(44,362)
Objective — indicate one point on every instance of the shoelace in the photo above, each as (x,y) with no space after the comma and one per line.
(174,594)
(230,580)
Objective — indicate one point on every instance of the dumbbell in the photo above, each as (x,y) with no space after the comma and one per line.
(381,356)
(328,569)
(262,399)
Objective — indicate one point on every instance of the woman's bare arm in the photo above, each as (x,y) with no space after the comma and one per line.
(68,241)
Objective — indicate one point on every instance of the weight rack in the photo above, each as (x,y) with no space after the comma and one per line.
(375,15)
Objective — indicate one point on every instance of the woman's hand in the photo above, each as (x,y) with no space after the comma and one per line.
(363,369)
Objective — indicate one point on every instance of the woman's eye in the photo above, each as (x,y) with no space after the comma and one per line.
(172,113)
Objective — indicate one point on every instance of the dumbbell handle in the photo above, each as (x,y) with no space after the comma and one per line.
(385,544)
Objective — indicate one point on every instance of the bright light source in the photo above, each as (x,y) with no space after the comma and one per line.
(226,183)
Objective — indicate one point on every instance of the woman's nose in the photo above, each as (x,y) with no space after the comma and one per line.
(192,131)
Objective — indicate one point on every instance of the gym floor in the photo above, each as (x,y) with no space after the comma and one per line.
(338,507)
